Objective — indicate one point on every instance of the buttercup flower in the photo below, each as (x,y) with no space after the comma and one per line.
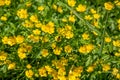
(108,6)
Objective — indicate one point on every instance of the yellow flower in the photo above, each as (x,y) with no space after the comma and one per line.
(36,31)
(75,73)
(89,47)
(48,28)
(72,18)
(96,16)
(54,6)
(88,17)
(42,72)
(71,3)
(118,21)
(3,18)
(22,13)
(82,49)
(115,71)
(11,66)
(28,24)
(7,2)
(34,38)
(69,34)
(57,51)
(118,4)
(90,69)
(60,10)
(48,69)
(44,39)
(118,76)
(38,25)
(86,48)
(28,66)
(93,11)
(108,6)
(68,28)
(81,8)
(22,55)
(11,41)
(106,67)
(19,39)
(61,71)
(5,40)
(95,23)
(62,78)
(3,56)
(116,43)
(85,36)
(34,18)
(44,52)
(22,50)
(2,2)
(53,45)
(107,39)
(40,8)
(68,49)
(117,54)
(29,73)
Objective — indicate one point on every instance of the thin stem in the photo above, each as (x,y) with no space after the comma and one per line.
(103,36)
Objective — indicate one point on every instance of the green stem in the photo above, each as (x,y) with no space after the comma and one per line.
(103,36)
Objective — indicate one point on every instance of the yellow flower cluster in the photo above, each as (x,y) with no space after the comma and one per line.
(75,73)
(86,48)
(5,2)
(117,2)
(9,40)
(48,28)
(23,50)
(59,40)
(60,72)
(56,50)
(12,40)
(22,13)
(28,24)
(66,31)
